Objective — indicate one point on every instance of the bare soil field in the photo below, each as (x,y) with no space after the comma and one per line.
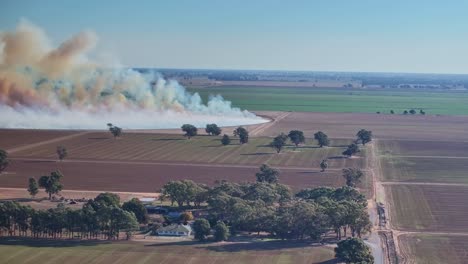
(435,249)
(150,177)
(200,149)
(428,208)
(435,148)
(430,170)
(12,138)
(37,251)
(383,126)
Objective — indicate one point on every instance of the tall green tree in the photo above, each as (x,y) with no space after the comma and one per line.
(221,231)
(354,250)
(225,140)
(136,206)
(279,142)
(364,135)
(243,135)
(323,165)
(267,174)
(201,228)
(213,129)
(3,160)
(33,188)
(296,137)
(322,139)
(51,183)
(353,176)
(115,130)
(61,152)
(190,130)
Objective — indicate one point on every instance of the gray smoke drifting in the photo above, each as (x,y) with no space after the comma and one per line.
(61,88)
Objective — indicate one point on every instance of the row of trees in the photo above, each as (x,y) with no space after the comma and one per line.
(102,217)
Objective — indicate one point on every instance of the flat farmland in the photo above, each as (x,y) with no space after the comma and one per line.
(19,251)
(200,149)
(317,99)
(12,138)
(436,148)
(405,169)
(428,208)
(435,249)
(383,126)
(150,177)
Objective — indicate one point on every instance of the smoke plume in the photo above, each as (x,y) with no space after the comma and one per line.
(46,87)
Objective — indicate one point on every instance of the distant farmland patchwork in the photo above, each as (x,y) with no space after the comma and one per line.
(343,100)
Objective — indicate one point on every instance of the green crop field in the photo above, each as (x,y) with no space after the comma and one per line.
(448,170)
(340,99)
(14,251)
(205,149)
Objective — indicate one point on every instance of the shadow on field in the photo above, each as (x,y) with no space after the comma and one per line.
(256,246)
(12,241)
(167,139)
(257,154)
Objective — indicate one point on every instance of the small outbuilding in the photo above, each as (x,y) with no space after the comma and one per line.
(175,230)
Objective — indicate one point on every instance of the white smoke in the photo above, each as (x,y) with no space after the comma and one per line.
(62,88)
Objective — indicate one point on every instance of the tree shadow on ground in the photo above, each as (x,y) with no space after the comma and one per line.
(29,242)
(257,154)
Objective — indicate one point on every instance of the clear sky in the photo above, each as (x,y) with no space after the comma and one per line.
(329,35)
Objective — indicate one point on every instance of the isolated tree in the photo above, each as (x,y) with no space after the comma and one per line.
(353,176)
(322,139)
(213,129)
(201,228)
(115,130)
(3,160)
(323,165)
(422,112)
(412,111)
(296,137)
(243,135)
(365,136)
(279,142)
(354,250)
(392,112)
(225,140)
(136,206)
(51,183)
(405,112)
(190,130)
(61,152)
(267,174)
(33,188)
(351,150)
(221,231)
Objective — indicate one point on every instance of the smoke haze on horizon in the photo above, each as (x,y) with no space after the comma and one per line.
(60,88)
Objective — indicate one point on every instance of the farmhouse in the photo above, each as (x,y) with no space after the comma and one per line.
(175,230)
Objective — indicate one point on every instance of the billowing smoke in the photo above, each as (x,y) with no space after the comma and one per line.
(46,87)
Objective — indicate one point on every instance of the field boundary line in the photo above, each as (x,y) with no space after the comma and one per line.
(188,164)
(430,157)
(45,142)
(424,183)
(265,126)
(88,191)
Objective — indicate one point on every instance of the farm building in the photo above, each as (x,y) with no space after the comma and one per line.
(175,230)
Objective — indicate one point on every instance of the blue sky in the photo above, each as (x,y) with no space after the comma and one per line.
(329,35)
